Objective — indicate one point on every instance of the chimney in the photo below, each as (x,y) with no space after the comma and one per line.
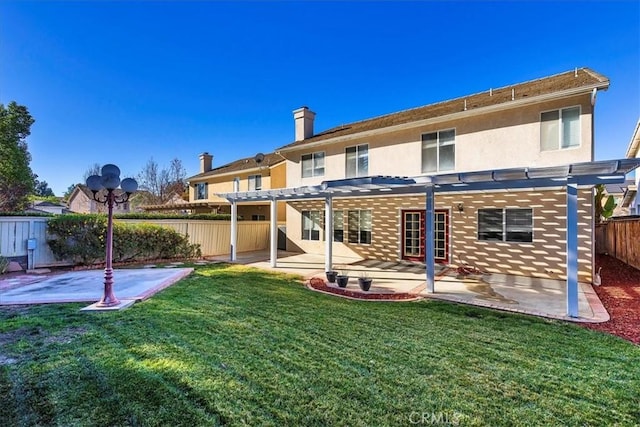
(303,118)
(206,160)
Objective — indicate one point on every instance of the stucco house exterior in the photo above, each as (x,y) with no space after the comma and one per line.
(81,201)
(630,199)
(260,172)
(543,123)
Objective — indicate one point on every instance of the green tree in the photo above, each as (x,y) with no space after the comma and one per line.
(42,189)
(17,180)
(604,205)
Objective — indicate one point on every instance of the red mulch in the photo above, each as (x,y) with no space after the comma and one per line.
(321,285)
(620,295)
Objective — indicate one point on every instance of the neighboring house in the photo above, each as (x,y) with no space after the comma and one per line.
(48,207)
(261,172)
(543,123)
(618,192)
(174,204)
(631,199)
(81,201)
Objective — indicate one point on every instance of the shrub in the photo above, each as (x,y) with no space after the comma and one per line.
(4,264)
(81,239)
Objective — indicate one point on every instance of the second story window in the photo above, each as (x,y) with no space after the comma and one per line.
(439,151)
(201,191)
(357,163)
(560,129)
(313,164)
(255,182)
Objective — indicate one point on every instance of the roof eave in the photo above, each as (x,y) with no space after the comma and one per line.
(634,144)
(461,114)
(201,177)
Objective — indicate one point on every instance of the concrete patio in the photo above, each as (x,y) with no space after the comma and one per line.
(539,297)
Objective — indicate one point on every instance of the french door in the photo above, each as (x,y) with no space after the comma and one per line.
(413,232)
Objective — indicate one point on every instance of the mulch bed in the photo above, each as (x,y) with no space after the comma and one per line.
(620,295)
(321,285)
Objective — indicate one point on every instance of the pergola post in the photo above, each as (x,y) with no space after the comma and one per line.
(328,233)
(429,248)
(274,233)
(572,249)
(234,221)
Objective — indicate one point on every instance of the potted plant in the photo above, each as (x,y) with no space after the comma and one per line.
(331,276)
(342,279)
(364,281)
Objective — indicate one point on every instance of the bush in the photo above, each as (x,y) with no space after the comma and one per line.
(81,239)
(4,264)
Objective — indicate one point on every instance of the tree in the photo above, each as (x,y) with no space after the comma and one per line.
(161,184)
(94,169)
(604,207)
(42,189)
(17,180)
(70,189)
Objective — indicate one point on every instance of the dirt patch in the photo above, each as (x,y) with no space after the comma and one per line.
(620,295)
(321,285)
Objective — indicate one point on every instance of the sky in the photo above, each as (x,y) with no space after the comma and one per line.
(125,82)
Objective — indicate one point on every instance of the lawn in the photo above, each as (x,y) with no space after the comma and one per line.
(236,346)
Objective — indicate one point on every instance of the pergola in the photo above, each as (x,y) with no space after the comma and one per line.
(569,176)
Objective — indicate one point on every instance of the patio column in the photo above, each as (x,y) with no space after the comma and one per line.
(572,249)
(328,233)
(429,249)
(274,233)
(234,221)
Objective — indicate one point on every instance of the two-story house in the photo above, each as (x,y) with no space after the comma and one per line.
(261,172)
(538,124)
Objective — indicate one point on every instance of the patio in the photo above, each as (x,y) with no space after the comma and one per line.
(534,296)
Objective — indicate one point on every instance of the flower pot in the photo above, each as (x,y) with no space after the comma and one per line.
(342,280)
(365,284)
(331,276)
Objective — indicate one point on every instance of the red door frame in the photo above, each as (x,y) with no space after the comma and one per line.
(420,257)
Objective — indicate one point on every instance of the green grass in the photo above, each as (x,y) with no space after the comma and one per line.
(236,346)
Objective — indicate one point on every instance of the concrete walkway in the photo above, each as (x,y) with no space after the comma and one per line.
(538,297)
(88,285)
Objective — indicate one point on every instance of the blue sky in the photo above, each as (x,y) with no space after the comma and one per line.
(121,82)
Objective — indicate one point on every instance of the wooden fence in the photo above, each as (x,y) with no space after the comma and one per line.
(213,236)
(620,238)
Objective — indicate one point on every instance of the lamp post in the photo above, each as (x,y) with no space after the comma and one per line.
(110,180)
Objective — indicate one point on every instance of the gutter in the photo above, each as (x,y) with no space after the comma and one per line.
(461,114)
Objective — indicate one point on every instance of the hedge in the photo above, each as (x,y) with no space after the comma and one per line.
(145,215)
(81,238)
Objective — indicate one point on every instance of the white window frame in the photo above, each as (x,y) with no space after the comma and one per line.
(358,172)
(308,233)
(316,169)
(338,213)
(560,129)
(256,180)
(205,191)
(438,145)
(505,230)
(359,230)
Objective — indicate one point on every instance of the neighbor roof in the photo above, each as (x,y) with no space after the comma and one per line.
(270,159)
(584,78)
(634,144)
